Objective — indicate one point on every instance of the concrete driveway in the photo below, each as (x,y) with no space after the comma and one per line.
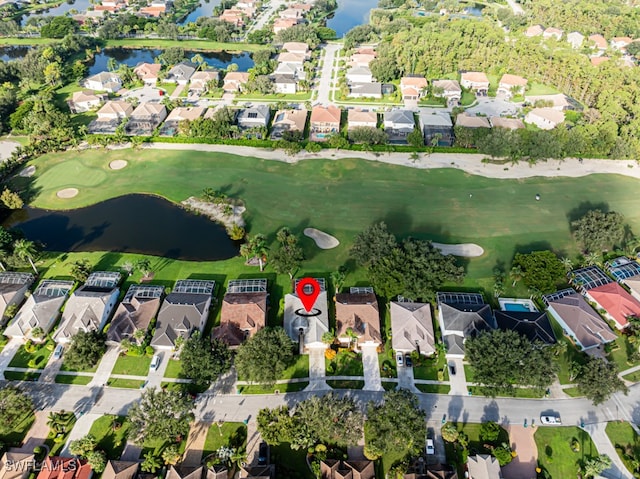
(405,378)
(144,94)
(8,352)
(494,107)
(371,368)
(317,370)
(458,381)
(36,435)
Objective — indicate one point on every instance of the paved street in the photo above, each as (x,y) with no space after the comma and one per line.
(326,75)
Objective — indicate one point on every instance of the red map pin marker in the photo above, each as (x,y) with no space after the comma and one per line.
(308,298)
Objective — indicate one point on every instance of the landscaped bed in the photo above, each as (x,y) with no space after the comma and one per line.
(37,359)
(281,388)
(15,437)
(555,453)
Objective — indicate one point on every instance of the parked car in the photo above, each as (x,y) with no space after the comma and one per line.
(452,369)
(57,353)
(155,362)
(400,359)
(551,420)
(263,454)
(430,447)
(408,361)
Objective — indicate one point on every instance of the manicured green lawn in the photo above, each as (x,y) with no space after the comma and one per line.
(230,434)
(634,377)
(173,368)
(125,383)
(15,437)
(554,450)
(430,367)
(38,358)
(199,45)
(345,365)
(20,376)
(290,463)
(626,442)
(621,349)
(540,89)
(434,388)
(283,388)
(132,365)
(572,392)
(27,41)
(299,369)
(344,384)
(111,434)
(73,379)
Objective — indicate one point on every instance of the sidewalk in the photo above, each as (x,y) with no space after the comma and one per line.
(604,446)
(7,354)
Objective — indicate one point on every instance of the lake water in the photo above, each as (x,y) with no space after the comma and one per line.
(131,224)
(350,13)
(205,9)
(132,57)
(79,5)
(13,53)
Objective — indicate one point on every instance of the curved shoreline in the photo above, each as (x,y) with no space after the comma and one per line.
(470,163)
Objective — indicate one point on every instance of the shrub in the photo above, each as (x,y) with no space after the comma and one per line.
(330,354)
(149,351)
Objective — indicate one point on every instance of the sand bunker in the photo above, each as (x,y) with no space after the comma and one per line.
(117,164)
(67,193)
(6,148)
(28,172)
(322,239)
(468,250)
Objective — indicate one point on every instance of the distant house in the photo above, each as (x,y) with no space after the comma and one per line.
(146,118)
(292,70)
(307,330)
(156,8)
(291,13)
(110,116)
(40,310)
(361,118)
(413,88)
(13,287)
(234,16)
(598,42)
(617,303)
(297,47)
(200,81)
(120,470)
(148,72)
(412,327)
(139,306)
(448,89)
(534,31)
(398,124)
(56,467)
(462,315)
(436,126)
(483,466)
(552,32)
(508,123)
(511,85)
(475,81)
(254,117)
(293,58)
(283,23)
(325,121)
(16,465)
(468,121)
(578,320)
(432,471)
(235,81)
(343,469)
(257,472)
(90,306)
(575,39)
(244,311)
(558,101)
(357,314)
(633,283)
(361,59)
(183,311)
(359,75)
(620,43)
(544,118)
(171,124)
(365,90)
(284,84)
(288,120)
(181,73)
(104,81)
(85,100)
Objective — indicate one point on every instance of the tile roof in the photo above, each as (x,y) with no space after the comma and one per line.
(336,469)
(190,113)
(468,121)
(57,467)
(549,114)
(414,81)
(599,41)
(313,327)
(513,80)
(361,116)
(139,307)
(447,85)
(329,114)
(465,318)
(615,300)
(120,470)
(474,77)
(244,312)
(411,325)
(358,312)
(509,123)
(147,71)
(483,466)
(535,326)
(16,465)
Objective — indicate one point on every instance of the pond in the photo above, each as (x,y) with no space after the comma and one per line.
(64,7)
(349,14)
(204,9)
(13,52)
(129,224)
(133,56)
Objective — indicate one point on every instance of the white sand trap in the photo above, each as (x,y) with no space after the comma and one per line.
(67,193)
(468,250)
(322,239)
(28,172)
(117,164)
(6,148)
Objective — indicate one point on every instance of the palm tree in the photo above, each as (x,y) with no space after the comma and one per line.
(516,274)
(259,248)
(25,250)
(112,64)
(198,60)
(593,259)
(567,263)
(151,463)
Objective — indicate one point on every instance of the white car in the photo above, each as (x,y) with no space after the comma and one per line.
(155,362)
(431,450)
(550,420)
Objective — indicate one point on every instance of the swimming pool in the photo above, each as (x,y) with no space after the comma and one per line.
(515,307)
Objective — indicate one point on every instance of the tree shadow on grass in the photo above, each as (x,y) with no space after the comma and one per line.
(583,208)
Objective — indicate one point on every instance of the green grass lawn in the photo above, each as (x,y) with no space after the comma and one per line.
(572,392)
(283,388)
(621,349)
(289,462)
(230,434)
(35,360)
(626,442)
(20,376)
(299,369)
(430,367)
(434,388)
(554,450)
(15,437)
(343,384)
(111,434)
(132,365)
(344,365)
(27,41)
(173,368)
(125,383)
(476,444)
(73,379)
(540,89)
(197,45)
(634,377)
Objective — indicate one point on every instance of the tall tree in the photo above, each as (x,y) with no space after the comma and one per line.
(541,270)
(264,357)
(289,255)
(161,415)
(87,347)
(26,250)
(203,361)
(15,405)
(372,245)
(257,247)
(597,231)
(598,379)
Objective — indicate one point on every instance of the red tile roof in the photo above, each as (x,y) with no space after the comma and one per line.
(615,300)
(57,467)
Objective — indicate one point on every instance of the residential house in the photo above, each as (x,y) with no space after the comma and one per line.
(90,306)
(139,306)
(217,471)
(448,89)
(110,116)
(412,327)
(85,100)
(120,470)
(40,310)
(620,43)
(156,8)
(16,465)
(544,118)
(433,471)
(111,6)
(184,310)
(200,81)
(305,7)
(13,288)
(57,467)
(294,13)
(148,73)
(181,471)
(511,85)
(247,4)
(343,469)
(469,121)
(483,466)
(283,23)
(508,123)
(575,39)
(288,121)
(254,117)
(598,42)
(359,75)
(233,16)
(365,90)
(552,32)
(292,58)
(297,47)
(534,325)
(413,87)
(234,81)
(284,84)
(617,303)
(365,50)
(579,321)
(633,283)
(475,81)
(171,124)
(257,472)
(104,81)
(292,70)
(357,316)
(361,60)
(146,118)
(436,127)
(180,73)
(534,31)
(325,121)
(307,328)
(558,101)
(462,315)
(398,124)
(357,117)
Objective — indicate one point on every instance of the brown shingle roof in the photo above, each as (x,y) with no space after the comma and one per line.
(358,312)
(241,312)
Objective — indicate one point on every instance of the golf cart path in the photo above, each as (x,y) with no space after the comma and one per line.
(470,163)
